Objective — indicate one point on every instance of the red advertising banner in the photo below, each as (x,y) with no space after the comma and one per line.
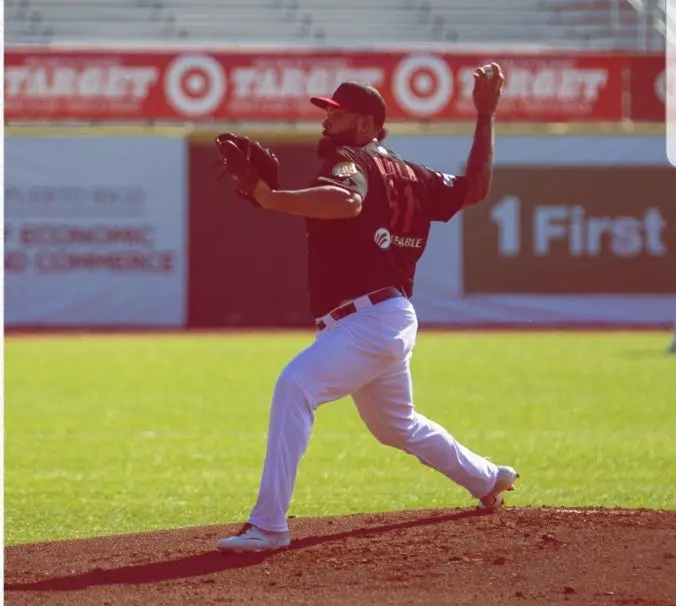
(142,86)
(647,88)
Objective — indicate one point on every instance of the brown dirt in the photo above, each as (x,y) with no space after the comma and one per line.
(516,556)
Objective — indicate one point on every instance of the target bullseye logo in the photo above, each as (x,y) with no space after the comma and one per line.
(194,84)
(422,84)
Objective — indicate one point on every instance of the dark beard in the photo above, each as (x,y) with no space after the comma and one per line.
(330,143)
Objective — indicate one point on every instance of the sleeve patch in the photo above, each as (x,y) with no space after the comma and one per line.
(344,170)
(447,180)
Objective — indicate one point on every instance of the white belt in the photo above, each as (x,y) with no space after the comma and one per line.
(349,307)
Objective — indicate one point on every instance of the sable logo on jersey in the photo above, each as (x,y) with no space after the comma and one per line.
(344,170)
(383,238)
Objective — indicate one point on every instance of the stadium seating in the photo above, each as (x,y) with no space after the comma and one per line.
(600,24)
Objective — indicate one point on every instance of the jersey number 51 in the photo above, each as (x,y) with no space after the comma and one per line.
(399,178)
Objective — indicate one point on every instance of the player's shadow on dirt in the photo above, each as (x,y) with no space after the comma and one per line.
(213,561)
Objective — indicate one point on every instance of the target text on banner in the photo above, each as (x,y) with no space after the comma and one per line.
(274,85)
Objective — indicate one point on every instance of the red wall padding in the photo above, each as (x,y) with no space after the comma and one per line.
(246,265)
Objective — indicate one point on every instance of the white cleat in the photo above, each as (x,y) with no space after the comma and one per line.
(505,482)
(252,539)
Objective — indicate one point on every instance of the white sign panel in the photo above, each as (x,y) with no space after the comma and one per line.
(444,293)
(95,231)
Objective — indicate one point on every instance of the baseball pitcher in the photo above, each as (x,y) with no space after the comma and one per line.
(368,214)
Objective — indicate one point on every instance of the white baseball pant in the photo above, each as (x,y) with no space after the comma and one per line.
(365,355)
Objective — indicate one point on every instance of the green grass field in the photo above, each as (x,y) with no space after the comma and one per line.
(115,434)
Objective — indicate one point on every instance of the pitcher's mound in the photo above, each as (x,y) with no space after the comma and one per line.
(516,556)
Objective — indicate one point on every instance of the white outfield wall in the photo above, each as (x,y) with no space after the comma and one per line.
(578,229)
(95,231)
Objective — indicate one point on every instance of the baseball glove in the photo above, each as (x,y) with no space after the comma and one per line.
(247,162)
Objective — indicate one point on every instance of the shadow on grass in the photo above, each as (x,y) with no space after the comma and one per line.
(212,561)
(644,354)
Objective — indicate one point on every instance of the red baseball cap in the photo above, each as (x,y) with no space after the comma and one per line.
(357,98)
